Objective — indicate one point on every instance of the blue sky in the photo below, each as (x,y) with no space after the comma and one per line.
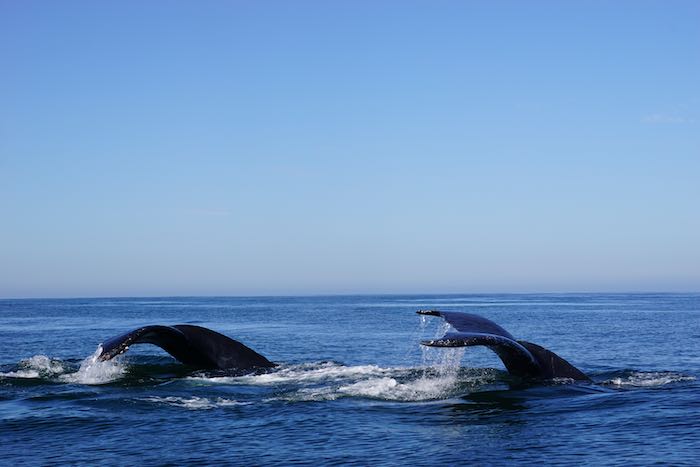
(247,148)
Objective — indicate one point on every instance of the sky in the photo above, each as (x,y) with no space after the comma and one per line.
(312,147)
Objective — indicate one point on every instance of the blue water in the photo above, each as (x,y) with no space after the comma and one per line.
(354,385)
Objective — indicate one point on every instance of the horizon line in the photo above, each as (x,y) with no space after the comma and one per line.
(360,294)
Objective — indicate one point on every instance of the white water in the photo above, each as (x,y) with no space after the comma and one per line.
(438,377)
(639,379)
(38,366)
(194,403)
(94,371)
(305,373)
(91,370)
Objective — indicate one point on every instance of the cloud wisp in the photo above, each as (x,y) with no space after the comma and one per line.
(666,119)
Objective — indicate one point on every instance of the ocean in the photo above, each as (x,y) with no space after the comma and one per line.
(354,386)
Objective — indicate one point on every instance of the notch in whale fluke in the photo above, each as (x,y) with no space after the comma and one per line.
(192,345)
(521,358)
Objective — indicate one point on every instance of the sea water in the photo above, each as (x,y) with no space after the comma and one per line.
(353,385)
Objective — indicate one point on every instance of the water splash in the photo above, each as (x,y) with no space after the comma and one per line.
(91,370)
(38,366)
(94,371)
(440,366)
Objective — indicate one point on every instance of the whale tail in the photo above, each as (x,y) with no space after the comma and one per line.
(192,345)
(521,358)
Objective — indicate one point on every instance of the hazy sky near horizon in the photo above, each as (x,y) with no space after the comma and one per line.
(247,147)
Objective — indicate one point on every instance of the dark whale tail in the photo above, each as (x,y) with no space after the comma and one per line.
(192,345)
(520,358)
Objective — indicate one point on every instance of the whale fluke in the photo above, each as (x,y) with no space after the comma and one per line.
(192,345)
(520,358)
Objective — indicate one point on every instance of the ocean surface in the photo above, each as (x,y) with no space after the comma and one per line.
(353,386)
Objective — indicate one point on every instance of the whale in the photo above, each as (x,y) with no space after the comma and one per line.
(204,348)
(521,358)
(192,345)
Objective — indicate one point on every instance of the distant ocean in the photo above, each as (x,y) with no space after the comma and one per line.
(354,386)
